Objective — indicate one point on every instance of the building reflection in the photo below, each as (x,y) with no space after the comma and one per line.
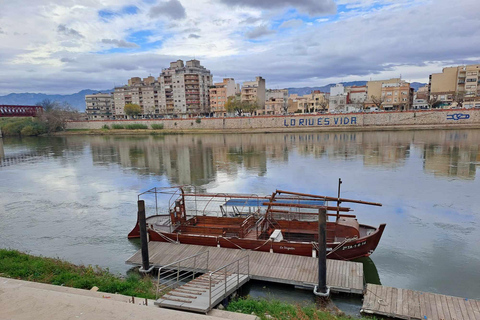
(198,159)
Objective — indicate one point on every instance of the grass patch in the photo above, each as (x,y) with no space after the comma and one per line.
(118,126)
(280,310)
(17,265)
(136,126)
(157,126)
(22,127)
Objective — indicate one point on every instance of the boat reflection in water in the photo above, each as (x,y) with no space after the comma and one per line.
(285,222)
(370,272)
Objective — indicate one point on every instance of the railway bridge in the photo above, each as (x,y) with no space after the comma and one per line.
(19,111)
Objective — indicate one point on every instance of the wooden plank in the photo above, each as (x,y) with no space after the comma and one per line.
(450,307)
(399,309)
(463,309)
(393,302)
(430,300)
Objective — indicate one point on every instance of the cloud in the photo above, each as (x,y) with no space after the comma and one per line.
(310,7)
(194,36)
(259,32)
(64,59)
(1,31)
(294,23)
(120,43)
(250,20)
(172,9)
(69,31)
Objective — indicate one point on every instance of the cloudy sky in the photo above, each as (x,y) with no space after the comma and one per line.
(63,46)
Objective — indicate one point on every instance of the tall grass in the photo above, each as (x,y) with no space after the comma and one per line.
(118,126)
(22,127)
(157,126)
(135,126)
(14,264)
(280,310)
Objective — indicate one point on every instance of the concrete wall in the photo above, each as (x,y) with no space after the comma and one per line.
(406,119)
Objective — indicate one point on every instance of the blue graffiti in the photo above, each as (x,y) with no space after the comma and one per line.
(458,116)
(322,121)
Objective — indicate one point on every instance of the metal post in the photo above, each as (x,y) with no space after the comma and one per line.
(194,266)
(321,289)
(143,236)
(338,198)
(210,295)
(156,203)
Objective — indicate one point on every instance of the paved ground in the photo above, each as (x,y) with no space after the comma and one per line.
(29,300)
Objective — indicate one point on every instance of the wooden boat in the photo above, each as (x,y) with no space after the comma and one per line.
(285,222)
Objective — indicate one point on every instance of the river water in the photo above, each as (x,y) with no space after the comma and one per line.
(75,197)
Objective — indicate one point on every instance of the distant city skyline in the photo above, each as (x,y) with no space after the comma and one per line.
(54,46)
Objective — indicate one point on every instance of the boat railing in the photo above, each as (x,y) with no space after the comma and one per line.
(228,278)
(246,225)
(179,272)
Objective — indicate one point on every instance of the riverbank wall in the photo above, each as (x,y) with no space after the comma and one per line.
(455,118)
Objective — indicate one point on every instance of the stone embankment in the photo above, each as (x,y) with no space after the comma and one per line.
(455,118)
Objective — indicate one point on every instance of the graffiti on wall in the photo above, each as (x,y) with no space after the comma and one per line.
(458,116)
(321,121)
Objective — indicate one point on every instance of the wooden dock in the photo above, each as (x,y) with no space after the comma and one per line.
(410,304)
(342,276)
(195,295)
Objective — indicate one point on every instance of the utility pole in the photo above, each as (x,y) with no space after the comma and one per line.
(321,289)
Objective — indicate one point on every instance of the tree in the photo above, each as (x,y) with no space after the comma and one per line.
(132,109)
(433,102)
(459,98)
(377,101)
(239,107)
(56,115)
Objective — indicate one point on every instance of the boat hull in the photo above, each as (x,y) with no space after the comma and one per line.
(355,248)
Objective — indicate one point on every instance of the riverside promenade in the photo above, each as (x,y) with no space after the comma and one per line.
(30,300)
(365,121)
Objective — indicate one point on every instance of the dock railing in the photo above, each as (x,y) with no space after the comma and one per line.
(228,278)
(179,272)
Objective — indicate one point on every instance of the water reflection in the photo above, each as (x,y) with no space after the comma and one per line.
(198,159)
(74,197)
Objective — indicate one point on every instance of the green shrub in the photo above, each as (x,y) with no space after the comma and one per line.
(23,126)
(198,120)
(118,126)
(157,126)
(136,126)
(106,127)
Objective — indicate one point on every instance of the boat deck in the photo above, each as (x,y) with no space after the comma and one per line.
(342,276)
(410,304)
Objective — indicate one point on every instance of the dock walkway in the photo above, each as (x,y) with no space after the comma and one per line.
(195,294)
(410,304)
(342,276)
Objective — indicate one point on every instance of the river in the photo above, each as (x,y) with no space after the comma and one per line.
(74,197)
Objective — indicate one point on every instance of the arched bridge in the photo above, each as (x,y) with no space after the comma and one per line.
(19,111)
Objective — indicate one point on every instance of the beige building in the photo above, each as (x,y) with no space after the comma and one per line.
(374,90)
(276,101)
(219,95)
(144,92)
(99,106)
(397,96)
(314,102)
(253,92)
(459,83)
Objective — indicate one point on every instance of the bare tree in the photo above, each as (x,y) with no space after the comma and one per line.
(459,98)
(377,101)
(432,101)
(56,115)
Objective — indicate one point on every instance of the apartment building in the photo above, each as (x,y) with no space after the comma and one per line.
(276,101)
(316,101)
(337,101)
(459,84)
(99,106)
(253,92)
(185,89)
(144,92)
(397,96)
(180,90)
(219,94)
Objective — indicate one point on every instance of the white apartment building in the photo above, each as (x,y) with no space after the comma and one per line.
(99,106)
